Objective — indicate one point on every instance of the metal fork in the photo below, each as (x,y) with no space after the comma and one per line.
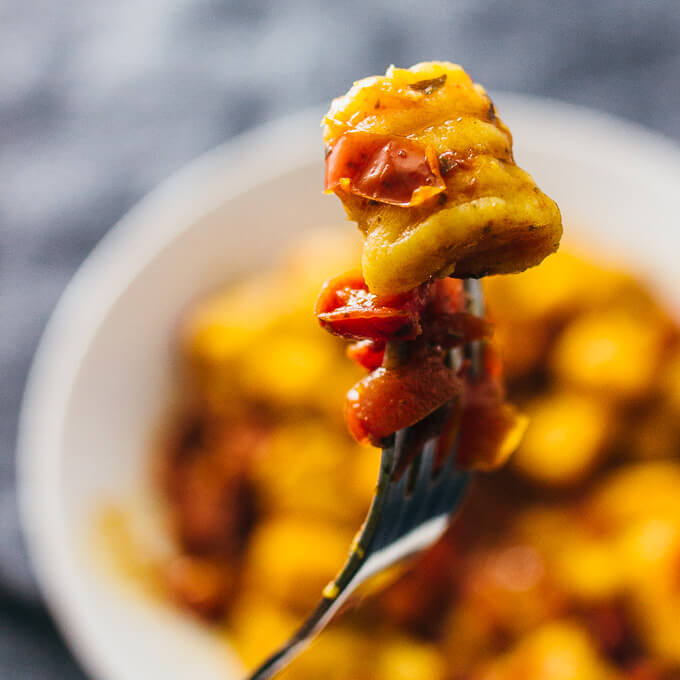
(411,509)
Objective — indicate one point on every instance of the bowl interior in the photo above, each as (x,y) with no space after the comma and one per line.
(105,370)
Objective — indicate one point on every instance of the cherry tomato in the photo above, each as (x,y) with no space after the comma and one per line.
(452,330)
(389,399)
(447,296)
(490,428)
(367,353)
(386,169)
(345,307)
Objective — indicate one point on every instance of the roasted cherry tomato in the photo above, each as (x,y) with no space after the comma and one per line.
(386,169)
(345,307)
(490,428)
(445,322)
(489,433)
(447,296)
(367,353)
(389,399)
(451,330)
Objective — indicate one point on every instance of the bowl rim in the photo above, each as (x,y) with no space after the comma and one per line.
(159,217)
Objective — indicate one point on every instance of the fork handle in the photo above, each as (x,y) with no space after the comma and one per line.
(317,621)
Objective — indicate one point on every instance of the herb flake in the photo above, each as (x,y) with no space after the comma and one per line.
(430,85)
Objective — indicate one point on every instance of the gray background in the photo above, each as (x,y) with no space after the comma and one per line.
(99,101)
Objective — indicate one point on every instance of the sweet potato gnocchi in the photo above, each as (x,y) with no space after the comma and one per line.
(424,165)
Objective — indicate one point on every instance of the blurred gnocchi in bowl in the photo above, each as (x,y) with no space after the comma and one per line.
(562,565)
(568,553)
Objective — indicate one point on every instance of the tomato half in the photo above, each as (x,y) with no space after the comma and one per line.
(367,353)
(345,307)
(389,399)
(387,169)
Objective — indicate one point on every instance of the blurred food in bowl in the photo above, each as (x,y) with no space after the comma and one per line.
(564,565)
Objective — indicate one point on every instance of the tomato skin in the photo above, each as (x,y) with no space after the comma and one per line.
(367,353)
(387,400)
(447,296)
(383,168)
(345,307)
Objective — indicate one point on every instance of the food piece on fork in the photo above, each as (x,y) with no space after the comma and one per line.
(403,390)
(435,310)
(389,399)
(425,167)
(491,428)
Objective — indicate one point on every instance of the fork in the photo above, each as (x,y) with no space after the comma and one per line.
(414,500)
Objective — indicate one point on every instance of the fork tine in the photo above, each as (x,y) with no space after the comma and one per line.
(449,493)
(418,509)
(396,507)
(439,493)
(414,474)
(424,475)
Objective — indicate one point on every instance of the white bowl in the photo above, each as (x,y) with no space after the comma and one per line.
(104,369)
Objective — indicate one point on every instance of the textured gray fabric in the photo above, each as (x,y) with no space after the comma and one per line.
(99,101)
